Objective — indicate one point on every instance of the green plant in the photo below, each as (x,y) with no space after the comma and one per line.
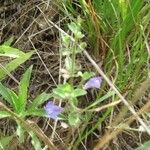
(67,91)
(18,56)
(145,146)
(4,142)
(20,106)
(118,30)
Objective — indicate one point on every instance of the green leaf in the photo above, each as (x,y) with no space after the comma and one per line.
(9,41)
(66,40)
(87,75)
(36,112)
(35,141)
(15,101)
(109,94)
(82,45)
(13,65)
(123,6)
(73,102)
(4,114)
(74,119)
(4,142)
(23,89)
(73,27)
(20,133)
(6,94)
(39,100)
(145,146)
(78,92)
(62,91)
(8,51)
(79,21)
(79,35)
(66,51)
(68,64)
(10,96)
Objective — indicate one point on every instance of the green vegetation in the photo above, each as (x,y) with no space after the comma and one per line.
(92,102)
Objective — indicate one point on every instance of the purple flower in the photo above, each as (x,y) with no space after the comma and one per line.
(53,110)
(94,82)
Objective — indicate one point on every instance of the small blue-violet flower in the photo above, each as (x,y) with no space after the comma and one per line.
(94,82)
(53,110)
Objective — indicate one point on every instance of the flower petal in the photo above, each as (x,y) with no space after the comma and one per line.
(53,110)
(94,82)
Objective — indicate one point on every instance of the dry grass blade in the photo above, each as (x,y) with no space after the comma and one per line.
(106,106)
(141,90)
(109,136)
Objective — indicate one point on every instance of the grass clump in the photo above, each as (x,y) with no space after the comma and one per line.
(118,33)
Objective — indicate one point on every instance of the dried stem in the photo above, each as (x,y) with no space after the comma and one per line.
(109,136)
